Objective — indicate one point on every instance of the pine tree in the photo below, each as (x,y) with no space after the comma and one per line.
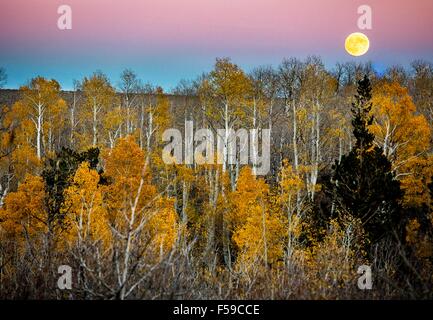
(430,186)
(363,183)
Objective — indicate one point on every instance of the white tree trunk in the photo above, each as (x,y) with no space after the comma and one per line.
(95,125)
(254,137)
(39,131)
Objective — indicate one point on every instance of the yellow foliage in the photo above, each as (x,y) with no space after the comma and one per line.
(25,161)
(290,184)
(99,96)
(421,243)
(257,233)
(332,263)
(163,226)
(404,136)
(131,197)
(398,128)
(86,216)
(228,87)
(23,213)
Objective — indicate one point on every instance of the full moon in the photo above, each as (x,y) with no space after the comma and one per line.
(357,44)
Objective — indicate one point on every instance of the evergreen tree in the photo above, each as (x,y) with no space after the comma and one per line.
(363,183)
(430,186)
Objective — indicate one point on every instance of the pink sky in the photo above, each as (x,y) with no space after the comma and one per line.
(250,31)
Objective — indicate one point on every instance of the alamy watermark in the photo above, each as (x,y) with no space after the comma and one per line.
(232,147)
(65,280)
(365,281)
(64,22)
(365,18)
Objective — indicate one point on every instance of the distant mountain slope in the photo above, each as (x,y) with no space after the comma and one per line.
(10,96)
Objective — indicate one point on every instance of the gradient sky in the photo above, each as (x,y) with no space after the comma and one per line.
(167,40)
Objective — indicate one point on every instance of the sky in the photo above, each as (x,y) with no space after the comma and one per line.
(165,41)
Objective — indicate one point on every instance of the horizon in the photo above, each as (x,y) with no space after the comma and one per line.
(114,78)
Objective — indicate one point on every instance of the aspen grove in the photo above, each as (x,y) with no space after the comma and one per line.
(83,183)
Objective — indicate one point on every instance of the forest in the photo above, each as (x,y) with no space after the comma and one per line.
(83,184)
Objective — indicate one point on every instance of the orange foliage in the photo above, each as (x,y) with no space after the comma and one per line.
(23,213)
(404,136)
(257,232)
(132,199)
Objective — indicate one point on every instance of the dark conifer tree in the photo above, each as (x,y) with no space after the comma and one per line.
(430,210)
(363,183)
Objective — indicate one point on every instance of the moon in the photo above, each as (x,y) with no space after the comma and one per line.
(357,44)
